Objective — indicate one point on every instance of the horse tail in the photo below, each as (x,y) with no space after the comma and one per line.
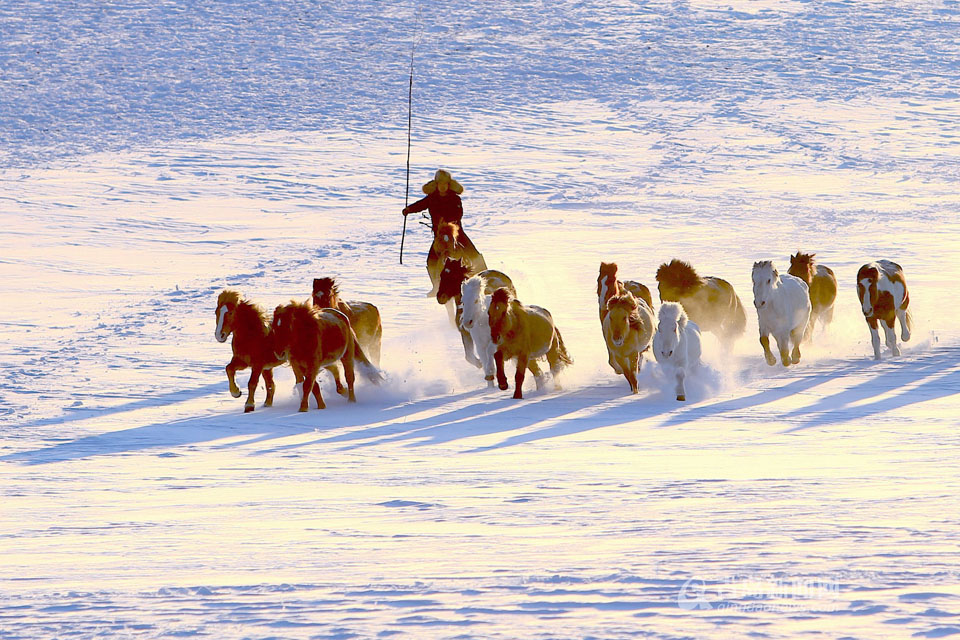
(738,324)
(363,364)
(562,353)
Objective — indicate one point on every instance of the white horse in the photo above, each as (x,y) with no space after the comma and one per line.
(783,309)
(474,317)
(676,344)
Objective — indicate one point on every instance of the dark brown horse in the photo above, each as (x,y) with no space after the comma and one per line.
(525,333)
(312,339)
(822,285)
(363,316)
(252,345)
(708,301)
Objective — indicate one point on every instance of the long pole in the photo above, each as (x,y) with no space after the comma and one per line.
(406,190)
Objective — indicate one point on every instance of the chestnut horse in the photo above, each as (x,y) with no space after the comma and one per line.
(709,302)
(252,345)
(884,298)
(312,338)
(627,330)
(471,295)
(363,316)
(525,333)
(450,241)
(822,285)
(608,286)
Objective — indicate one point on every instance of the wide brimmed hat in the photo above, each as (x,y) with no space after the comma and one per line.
(442,175)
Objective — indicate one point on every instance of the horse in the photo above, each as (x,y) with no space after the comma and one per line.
(450,241)
(252,345)
(525,333)
(312,338)
(627,330)
(608,286)
(884,298)
(783,309)
(363,316)
(708,301)
(472,296)
(822,285)
(676,344)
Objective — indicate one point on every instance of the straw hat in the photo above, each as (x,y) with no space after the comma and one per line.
(442,175)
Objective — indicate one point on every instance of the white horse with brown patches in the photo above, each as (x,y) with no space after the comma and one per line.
(783,310)
(884,299)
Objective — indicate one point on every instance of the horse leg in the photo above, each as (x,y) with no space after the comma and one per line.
(765,343)
(891,336)
(783,346)
(797,336)
(518,379)
(874,337)
(613,361)
(633,368)
(271,387)
(335,372)
(252,388)
(485,350)
(501,375)
(553,359)
(468,351)
(349,374)
(310,385)
(681,393)
(433,270)
(536,372)
(904,329)
(236,364)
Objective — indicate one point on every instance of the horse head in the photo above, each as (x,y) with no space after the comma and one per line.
(867,279)
(622,314)
(803,267)
(227,303)
(326,293)
(676,279)
(765,280)
(451,278)
(282,330)
(672,322)
(499,313)
(445,239)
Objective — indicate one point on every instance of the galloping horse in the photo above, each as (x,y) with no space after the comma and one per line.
(312,338)
(471,295)
(252,345)
(884,298)
(708,301)
(627,330)
(608,286)
(363,316)
(525,333)
(822,285)
(450,241)
(783,310)
(676,344)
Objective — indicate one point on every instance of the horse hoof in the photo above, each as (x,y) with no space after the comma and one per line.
(517,395)
(344,392)
(771,360)
(503,386)
(248,409)
(682,398)
(351,398)
(796,359)
(488,378)
(302,409)
(268,403)
(235,394)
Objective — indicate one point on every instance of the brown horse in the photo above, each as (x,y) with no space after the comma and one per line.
(525,333)
(252,345)
(822,285)
(471,303)
(709,302)
(450,241)
(884,299)
(312,339)
(627,330)
(608,285)
(363,316)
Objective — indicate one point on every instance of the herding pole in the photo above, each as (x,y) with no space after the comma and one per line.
(406,191)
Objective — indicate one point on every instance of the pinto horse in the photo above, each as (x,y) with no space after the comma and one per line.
(472,297)
(708,301)
(525,333)
(450,241)
(627,330)
(822,285)
(884,298)
(363,316)
(783,310)
(252,345)
(312,339)
(608,286)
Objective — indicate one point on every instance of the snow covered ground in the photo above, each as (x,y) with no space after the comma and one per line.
(155,153)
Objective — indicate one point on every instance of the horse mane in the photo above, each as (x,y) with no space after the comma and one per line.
(673,312)
(628,302)
(249,315)
(868,271)
(451,227)
(607,269)
(329,292)
(802,266)
(502,295)
(457,266)
(678,274)
(763,264)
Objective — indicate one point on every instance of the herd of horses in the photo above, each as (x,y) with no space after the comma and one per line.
(326,332)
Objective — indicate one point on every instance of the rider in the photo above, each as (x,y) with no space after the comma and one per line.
(442,199)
